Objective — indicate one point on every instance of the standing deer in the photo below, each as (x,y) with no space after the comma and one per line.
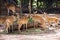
(21,21)
(9,22)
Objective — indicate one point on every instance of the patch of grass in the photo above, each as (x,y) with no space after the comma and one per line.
(38,30)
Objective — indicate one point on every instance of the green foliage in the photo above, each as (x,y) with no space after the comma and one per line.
(18,2)
(54,4)
(41,5)
(30,20)
(38,30)
(38,4)
(58,3)
(34,4)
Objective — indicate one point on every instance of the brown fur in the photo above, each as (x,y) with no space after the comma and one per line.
(10,7)
(21,21)
(39,19)
(9,21)
(2,20)
(52,19)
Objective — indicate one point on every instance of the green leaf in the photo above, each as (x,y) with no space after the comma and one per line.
(18,1)
(30,20)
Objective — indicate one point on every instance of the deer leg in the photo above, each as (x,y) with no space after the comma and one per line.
(12,28)
(19,26)
(26,26)
(43,26)
(56,26)
(7,26)
(7,29)
(34,25)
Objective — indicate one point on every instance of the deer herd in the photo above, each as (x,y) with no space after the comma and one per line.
(15,18)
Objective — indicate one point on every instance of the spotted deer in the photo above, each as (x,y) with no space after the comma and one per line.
(10,19)
(10,7)
(52,21)
(39,19)
(21,21)
(9,22)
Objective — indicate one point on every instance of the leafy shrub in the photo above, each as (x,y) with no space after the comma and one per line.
(30,20)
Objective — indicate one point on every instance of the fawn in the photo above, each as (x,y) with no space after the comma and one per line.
(21,21)
(10,21)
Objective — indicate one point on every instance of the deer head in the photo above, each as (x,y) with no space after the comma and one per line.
(45,15)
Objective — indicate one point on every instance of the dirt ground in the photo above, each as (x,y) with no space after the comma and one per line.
(54,36)
(31,36)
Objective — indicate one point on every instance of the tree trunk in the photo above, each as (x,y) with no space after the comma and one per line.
(29,6)
(20,8)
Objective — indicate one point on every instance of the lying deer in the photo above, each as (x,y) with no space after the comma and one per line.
(53,21)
